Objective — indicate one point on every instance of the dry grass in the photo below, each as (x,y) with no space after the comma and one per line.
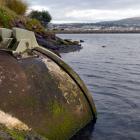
(17,6)
(12,15)
(2,2)
(12,122)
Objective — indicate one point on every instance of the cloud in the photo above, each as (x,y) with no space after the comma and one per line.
(95,15)
(87,10)
(39,7)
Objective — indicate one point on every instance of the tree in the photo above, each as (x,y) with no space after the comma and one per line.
(43,16)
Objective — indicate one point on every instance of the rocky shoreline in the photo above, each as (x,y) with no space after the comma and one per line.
(97,32)
(45,37)
(58,45)
(50,41)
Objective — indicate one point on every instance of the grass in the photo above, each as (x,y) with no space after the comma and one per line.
(6,17)
(2,2)
(35,25)
(9,19)
(18,6)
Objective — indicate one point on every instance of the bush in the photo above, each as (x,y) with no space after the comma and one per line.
(6,17)
(43,16)
(4,20)
(17,6)
(34,25)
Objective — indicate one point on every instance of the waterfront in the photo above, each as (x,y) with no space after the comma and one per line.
(112,74)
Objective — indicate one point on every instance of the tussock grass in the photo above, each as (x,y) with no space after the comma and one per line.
(2,2)
(6,17)
(17,6)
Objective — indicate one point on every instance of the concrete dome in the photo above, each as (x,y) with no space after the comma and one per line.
(40,95)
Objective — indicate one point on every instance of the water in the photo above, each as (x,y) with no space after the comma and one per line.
(112,74)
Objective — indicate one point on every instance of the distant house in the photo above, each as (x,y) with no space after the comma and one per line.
(49,26)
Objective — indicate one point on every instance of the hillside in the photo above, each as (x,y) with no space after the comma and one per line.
(135,21)
(46,38)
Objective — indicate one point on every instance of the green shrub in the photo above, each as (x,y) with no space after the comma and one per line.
(34,25)
(6,17)
(43,16)
(17,6)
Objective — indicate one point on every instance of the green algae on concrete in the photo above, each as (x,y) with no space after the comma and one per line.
(72,74)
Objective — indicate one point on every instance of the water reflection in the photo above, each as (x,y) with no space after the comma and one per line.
(85,133)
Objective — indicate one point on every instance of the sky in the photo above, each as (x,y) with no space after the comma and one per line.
(83,11)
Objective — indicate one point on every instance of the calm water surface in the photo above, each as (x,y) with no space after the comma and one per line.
(112,74)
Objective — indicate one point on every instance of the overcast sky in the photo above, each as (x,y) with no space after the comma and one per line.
(87,10)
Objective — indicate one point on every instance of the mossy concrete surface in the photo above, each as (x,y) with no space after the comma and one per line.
(39,94)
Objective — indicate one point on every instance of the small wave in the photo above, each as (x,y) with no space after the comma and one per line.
(93,76)
(122,98)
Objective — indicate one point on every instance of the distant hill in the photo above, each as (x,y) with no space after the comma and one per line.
(135,21)
(130,22)
(129,25)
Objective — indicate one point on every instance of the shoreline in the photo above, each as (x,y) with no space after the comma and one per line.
(64,46)
(97,32)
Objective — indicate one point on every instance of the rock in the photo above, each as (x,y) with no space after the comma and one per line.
(69,48)
(104,46)
(82,41)
(76,43)
(47,44)
(58,45)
